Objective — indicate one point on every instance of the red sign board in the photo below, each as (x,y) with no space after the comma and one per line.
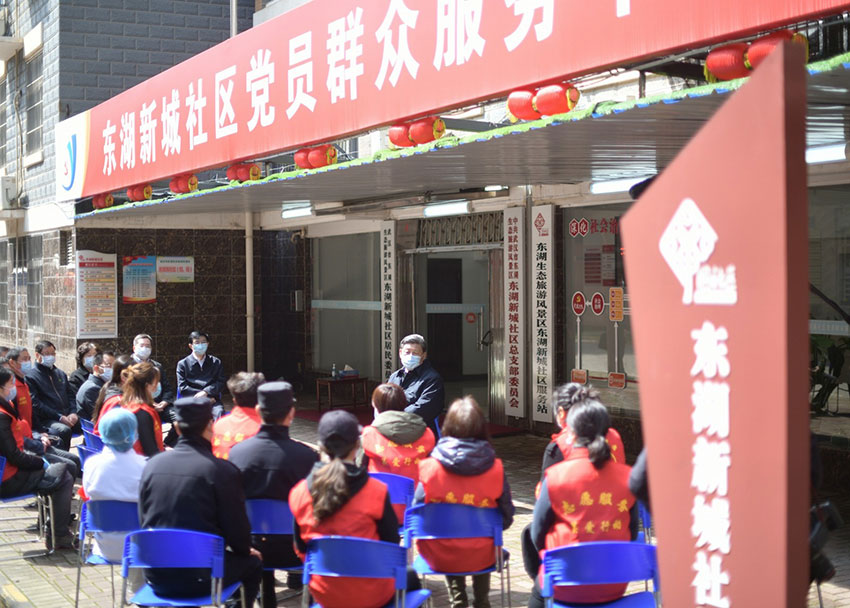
(574,228)
(328,69)
(712,309)
(616,380)
(579,376)
(583,227)
(579,303)
(597,303)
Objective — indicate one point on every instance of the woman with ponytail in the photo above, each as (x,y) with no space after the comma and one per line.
(584,498)
(140,383)
(339,498)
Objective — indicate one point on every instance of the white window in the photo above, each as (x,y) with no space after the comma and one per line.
(34,98)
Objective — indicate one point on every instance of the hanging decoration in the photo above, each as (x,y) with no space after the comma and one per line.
(739,59)
(243,172)
(421,131)
(762,47)
(528,104)
(102,201)
(181,184)
(400,136)
(142,192)
(521,105)
(313,158)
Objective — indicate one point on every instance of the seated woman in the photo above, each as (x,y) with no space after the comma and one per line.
(396,441)
(463,468)
(584,498)
(110,393)
(25,472)
(140,382)
(339,498)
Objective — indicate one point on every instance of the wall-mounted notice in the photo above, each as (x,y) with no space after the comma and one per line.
(388,301)
(175,269)
(543,302)
(139,279)
(514,226)
(97,294)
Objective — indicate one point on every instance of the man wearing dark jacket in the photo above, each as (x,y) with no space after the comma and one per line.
(422,385)
(271,464)
(53,397)
(90,389)
(189,488)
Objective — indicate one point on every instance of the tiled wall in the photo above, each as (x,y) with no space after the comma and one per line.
(214,303)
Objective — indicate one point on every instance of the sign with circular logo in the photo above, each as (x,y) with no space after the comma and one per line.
(579,303)
(597,303)
(471,317)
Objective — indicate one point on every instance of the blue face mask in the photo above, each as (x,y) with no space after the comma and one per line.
(48,360)
(13,393)
(106,374)
(200,349)
(88,363)
(158,390)
(26,366)
(411,362)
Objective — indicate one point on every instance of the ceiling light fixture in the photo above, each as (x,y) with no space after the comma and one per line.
(614,185)
(444,209)
(832,153)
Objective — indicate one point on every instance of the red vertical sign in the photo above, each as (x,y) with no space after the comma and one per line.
(720,329)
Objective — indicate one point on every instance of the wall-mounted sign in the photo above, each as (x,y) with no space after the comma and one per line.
(579,376)
(597,303)
(579,303)
(175,269)
(97,294)
(389,342)
(543,326)
(615,304)
(616,380)
(139,279)
(514,267)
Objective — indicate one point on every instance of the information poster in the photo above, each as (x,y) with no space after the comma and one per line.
(97,294)
(543,300)
(139,279)
(514,226)
(175,269)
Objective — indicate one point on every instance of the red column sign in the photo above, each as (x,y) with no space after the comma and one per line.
(713,312)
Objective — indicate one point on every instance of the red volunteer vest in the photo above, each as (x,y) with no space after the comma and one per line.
(107,405)
(157,425)
(564,439)
(20,429)
(464,554)
(358,517)
(589,504)
(241,423)
(24,401)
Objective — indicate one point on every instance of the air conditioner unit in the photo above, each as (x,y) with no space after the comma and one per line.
(8,192)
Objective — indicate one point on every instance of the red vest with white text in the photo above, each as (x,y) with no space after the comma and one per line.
(564,439)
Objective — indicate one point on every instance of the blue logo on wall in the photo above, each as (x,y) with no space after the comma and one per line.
(69,167)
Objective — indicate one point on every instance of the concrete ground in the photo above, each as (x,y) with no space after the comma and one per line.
(49,582)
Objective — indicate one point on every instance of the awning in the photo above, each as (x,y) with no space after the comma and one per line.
(605,142)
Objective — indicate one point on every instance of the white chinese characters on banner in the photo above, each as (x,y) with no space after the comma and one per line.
(299,79)
(108,148)
(195,104)
(526,10)
(257,82)
(147,133)
(514,228)
(170,119)
(396,52)
(225,117)
(128,140)
(344,53)
(458,25)
(388,331)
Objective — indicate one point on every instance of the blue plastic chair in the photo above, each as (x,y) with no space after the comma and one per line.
(44,506)
(87,425)
(599,563)
(362,558)
(400,488)
(84,453)
(268,516)
(646,522)
(172,548)
(93,441)
(434,521)
(103,516)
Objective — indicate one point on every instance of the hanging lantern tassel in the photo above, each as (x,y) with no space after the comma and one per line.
(322,156)
(762,47)
(427,130)
(727,62)
(302,158)
(521,105)
(400,136)
(556,99)
(140,193)
(102,201)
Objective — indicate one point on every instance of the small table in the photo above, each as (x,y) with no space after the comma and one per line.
(353,381)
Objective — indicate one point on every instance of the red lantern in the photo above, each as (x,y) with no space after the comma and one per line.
(102,201)
(400,136)
(556,99)
(521,105)
(427,129)
(302,159)
(762,47)
(231,172)
(727,62)
(322,156)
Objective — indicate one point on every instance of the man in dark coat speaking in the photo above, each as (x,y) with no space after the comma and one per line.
(422,385)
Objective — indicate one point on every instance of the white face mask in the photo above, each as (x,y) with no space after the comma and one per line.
(142,352)
(106,374)
(411,361)
(48,360)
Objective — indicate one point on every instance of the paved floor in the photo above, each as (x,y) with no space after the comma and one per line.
(49,582)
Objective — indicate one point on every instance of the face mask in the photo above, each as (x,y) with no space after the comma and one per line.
(142,352)
(106,374)
(88,363)
(158,390)
(201,348)
(26,366)
(411,362)
(48,360)
(13,393)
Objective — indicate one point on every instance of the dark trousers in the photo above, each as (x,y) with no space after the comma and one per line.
(54,455)
(278,552)
(64,432)
(55,481)
(246,569)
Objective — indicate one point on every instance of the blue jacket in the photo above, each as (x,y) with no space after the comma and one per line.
(192,378)
(52,395)
(424,390)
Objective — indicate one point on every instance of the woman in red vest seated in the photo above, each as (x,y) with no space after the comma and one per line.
(584,498)
(463,469)
(339,498)
(25,472)
(140,383)
(110,393)
(396,441)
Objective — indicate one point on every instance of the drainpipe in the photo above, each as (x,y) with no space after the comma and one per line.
(249,245)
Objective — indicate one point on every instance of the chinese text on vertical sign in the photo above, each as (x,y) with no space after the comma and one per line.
(388,342)
(543,298)
(687,244)
(514,306)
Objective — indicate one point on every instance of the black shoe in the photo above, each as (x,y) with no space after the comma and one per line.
(293,581)
(69,542)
